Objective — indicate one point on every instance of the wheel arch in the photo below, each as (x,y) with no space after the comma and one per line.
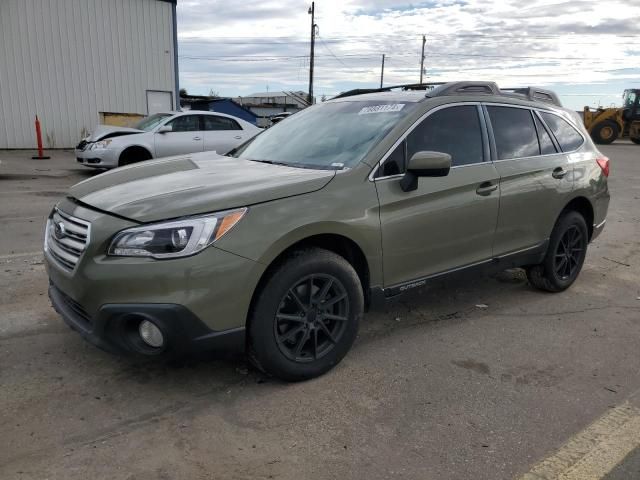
(584,207)
(133,148)
(334,242)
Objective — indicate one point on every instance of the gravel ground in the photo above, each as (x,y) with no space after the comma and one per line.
(434,388)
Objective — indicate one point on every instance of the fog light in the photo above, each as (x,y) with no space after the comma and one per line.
(150,334)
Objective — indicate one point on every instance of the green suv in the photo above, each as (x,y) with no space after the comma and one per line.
(281,246)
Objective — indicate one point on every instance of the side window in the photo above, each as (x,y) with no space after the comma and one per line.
(395,163)
(546,144)
(567,136)
(185,123)
(452,130)
(514,132)
(213,122)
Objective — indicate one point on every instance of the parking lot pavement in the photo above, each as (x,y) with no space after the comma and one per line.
(437,385)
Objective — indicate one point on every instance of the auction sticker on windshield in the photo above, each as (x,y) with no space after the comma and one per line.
(392,107)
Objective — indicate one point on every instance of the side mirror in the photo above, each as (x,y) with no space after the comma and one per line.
(165,129)
(425,164)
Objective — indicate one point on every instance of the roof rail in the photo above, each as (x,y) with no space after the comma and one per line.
(440,89)
(535,94)
(461,88)
(404,87)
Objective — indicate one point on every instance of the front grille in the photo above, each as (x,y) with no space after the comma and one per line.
(74,306)
(82,145)
(66,239)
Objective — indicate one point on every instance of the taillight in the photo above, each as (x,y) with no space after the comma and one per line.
(603,163)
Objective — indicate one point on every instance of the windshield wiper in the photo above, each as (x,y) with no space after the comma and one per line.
(272,162)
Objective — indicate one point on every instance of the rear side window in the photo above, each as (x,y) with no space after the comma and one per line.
(567,136)
(514,132)
(452,130)
(213,122)
(546,144)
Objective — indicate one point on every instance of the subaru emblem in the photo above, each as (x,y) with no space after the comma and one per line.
(59,231)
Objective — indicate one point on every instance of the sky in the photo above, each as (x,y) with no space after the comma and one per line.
(587,51)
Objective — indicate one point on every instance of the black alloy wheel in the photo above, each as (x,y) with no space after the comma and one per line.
(305,316)
(569,253)
(565,254)
(312,318)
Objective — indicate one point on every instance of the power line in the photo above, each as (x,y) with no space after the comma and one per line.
(330,51)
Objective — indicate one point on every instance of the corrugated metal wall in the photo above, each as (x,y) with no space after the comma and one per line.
(68,60)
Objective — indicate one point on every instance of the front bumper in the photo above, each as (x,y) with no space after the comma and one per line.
(105,158)
(201,301)
(115,328)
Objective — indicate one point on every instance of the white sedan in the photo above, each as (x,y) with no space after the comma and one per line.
(163,135)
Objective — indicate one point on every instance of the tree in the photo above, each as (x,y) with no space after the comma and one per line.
(323,98)
(213,93)
(183,92)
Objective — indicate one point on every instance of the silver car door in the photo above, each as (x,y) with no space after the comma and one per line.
(186,136)
(221,133)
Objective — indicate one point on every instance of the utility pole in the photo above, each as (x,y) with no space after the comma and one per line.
(312,12)
(424,40)
(382,71)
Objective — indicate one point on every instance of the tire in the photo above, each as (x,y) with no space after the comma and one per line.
(635,140)
(557,272)
(133,155)
(605,132)
(301,338)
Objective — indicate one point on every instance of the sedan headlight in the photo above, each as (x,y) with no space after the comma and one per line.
(179,238)
(101,145)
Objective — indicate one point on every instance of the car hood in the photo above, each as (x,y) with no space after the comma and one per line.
(110,131)
(187,185)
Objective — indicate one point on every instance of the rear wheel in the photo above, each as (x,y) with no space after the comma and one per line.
(605,132)
(565,255)
(306,316)
(133,155)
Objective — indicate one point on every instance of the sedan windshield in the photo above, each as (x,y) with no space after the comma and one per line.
(332,135)
(149,123)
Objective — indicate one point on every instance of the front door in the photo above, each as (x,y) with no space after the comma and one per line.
(186,136)
(447,222)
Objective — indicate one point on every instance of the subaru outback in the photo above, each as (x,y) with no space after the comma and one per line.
(279,247)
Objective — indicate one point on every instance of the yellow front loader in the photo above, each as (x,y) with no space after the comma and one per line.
(608,124)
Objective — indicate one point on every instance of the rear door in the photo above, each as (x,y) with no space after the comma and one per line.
(447,222)
(186,136)
(221,133)
(536,179)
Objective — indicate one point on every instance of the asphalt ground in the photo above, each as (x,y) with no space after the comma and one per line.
(477,378)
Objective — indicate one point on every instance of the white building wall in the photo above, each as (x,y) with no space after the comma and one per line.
(68,60)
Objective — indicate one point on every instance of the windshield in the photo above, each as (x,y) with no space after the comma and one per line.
(149,123)
(331,135)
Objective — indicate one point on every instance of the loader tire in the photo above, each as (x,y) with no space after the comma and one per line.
(605,132)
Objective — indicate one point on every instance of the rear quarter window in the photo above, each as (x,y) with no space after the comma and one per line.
(566,135)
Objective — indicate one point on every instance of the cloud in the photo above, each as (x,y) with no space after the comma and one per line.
(240,47)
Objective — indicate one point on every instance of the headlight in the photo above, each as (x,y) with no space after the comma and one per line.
(101,145)
(174,239)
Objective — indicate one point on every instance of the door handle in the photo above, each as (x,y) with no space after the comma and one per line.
(238,137)
(197,138)
(559,173)
(486,188)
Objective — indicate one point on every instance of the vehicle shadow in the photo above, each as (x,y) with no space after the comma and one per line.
(447,300)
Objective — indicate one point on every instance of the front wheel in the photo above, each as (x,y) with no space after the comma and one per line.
(565,255)
(306,316)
